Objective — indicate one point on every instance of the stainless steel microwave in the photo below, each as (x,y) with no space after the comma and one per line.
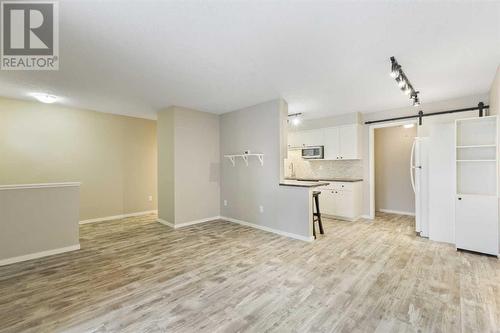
(313,152)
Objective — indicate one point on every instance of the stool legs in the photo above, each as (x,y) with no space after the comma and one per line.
(318,215)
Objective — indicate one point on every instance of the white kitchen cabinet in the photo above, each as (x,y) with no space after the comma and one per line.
(476,223)
(340,142)
(343,142)
(331,147)
(350,142)
(341,200)
(306,138)
(294,140)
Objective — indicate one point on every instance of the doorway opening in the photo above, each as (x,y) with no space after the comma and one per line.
(390,159)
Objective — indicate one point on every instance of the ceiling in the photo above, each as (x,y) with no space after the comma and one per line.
(323,58)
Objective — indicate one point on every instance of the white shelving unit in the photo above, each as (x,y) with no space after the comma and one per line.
(244,157)
(476,204)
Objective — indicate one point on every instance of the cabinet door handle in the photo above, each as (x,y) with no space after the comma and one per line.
(459,198)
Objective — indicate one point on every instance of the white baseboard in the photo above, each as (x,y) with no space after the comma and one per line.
(275,231)
(391,211)
(208,219)
(162,221)
(117,217)
(185,224)
(41,254)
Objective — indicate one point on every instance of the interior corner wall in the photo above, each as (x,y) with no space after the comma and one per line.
(393,191)
(197,165)
(189,164)
(166,178)
(246,189)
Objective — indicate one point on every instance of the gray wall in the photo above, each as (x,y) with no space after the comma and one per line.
(393,189)
(50,223)
(261,129)
(188,164)
(197,165)
(166,183)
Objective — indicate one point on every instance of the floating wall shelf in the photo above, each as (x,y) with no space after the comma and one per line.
(244,157)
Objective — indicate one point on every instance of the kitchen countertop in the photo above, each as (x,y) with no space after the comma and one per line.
(301,183)
(347,180)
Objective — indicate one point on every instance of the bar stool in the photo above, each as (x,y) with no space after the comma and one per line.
(317,215)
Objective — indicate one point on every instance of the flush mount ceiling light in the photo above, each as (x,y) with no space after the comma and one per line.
(294,118)
(45,98)
(403,82)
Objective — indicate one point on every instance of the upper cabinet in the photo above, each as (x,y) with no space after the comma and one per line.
(306,138)
(340,142)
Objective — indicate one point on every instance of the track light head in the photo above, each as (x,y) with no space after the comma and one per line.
(408,90)
(401,82)
(416,101)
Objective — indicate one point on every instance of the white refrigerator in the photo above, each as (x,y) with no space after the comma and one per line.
(433,177)
(419,176)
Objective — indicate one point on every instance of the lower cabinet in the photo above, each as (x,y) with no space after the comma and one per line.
(341,200)
(476,223)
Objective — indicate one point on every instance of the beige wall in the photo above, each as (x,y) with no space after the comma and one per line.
(393,189)
(188,160)
(114,157)
(49,225)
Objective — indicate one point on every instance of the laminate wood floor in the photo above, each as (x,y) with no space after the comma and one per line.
(136,275)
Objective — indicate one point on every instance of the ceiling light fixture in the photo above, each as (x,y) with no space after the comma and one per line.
(294,118)
(45,98)
(403,82)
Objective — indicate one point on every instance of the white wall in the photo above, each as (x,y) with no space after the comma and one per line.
(393,189)
(260,129)
(495,94)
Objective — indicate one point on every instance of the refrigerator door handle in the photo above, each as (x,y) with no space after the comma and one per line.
(411,165)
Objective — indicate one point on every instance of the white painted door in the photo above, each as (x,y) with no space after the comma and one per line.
(476,223)
(331,140)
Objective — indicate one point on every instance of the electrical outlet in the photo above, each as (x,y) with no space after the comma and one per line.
(225,202)
(150,198)
(261,209)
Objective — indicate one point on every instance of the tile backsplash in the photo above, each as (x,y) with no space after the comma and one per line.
(321,169)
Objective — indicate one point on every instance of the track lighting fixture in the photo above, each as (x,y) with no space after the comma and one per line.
(403,82)
(294,118)
(395,68)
